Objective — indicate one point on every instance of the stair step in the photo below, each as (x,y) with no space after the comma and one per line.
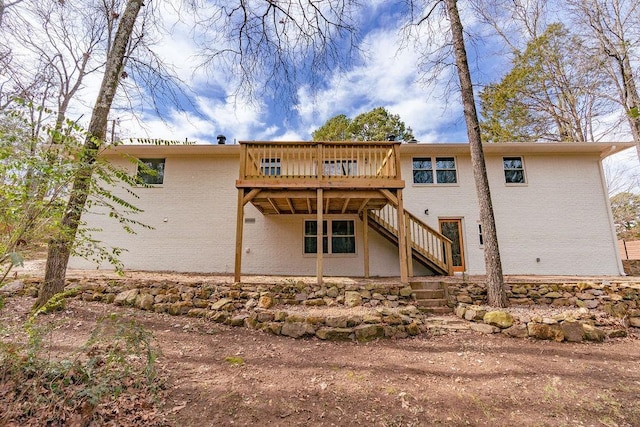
(425,285)
(429,293)
(436,310)
(439,302)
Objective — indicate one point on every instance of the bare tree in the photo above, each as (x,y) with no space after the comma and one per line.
(60,246)
(613,26)
(444,40)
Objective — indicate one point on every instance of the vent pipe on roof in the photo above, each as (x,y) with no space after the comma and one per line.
(221,139)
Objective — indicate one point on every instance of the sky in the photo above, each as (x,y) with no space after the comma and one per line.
(387,77)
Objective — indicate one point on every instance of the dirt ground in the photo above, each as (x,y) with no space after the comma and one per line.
(218,375)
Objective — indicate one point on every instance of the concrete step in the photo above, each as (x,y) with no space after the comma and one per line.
(435,302)
(425,285)
(429,293)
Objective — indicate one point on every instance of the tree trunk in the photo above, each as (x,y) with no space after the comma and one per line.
(496,294)
(60,246)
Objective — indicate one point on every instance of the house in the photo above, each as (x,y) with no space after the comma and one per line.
(385,209)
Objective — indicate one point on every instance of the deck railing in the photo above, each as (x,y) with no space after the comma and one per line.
(424,239)
(319,160)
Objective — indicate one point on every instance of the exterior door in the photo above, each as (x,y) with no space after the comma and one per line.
(452,228)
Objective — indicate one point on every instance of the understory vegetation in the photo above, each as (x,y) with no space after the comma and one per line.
(109,380)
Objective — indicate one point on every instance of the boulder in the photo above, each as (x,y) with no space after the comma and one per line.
(15,286)
(635,322)
(145,301)
(352,298)
(265,301)
(545,332)
(126,297)
(336,321)
(238,320)
(335,334)
(516,331)
(573,331)
(297,329)
(499,318)
(368,332)
(413,328)
(591,333)
(474,314)
(406,291)
(220,303)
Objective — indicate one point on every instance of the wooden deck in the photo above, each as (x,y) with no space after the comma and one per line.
(323,178)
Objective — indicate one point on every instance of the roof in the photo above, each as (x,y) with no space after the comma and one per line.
(602,149)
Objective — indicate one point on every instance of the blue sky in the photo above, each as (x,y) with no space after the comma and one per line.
(387,76)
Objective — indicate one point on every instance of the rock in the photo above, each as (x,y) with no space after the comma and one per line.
(573,331)
(499,318)
(592,333)
(352,298)
(616,333)
(460,311)
(354,320)
(553,295)
(516,331)
(464,299)
(591,303)
(368,332)
(475,314)
(297,329)
(561,302)
(365,294)
(484,328)
(378,296)
(635,322)
(238,320)
(15,286)
(549,321)
(265,316)
(392,319)
(251,304)
(371,318)
(413,328)
(181,307)
(315,302)
(333,292)
(126,297)
(335,334)
(336,321)
(265,301)
(220,303)
(585,296)
(406,291)
(145,301)
(545,332)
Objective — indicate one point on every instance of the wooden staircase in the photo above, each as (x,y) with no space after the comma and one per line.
(428,246)
(431,297)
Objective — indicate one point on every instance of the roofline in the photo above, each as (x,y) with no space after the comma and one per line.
(603,149)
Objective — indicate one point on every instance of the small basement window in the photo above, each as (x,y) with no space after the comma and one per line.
(151,171)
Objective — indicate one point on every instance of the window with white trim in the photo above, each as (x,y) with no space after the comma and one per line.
(513,170)
(151,171)
(442,171)
(338,236)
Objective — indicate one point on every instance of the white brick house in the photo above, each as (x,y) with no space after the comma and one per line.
(254,207)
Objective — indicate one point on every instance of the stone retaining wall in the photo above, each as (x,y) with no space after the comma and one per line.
(614,298)
(570,325)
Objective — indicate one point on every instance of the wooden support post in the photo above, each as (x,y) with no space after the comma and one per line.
(365,241)
(402,240)
(239,229)
(407,224)
(319,236)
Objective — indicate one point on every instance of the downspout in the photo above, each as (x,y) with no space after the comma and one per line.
(605,192)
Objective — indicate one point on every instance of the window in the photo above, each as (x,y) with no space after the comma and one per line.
(340,168)
(445,170)
(480,238)
(151,171)
(270,167)
(338,236)
(513,170)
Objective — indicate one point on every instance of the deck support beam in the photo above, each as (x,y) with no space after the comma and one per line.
(365,241)
(239,229)
(402,240)
(319,239)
